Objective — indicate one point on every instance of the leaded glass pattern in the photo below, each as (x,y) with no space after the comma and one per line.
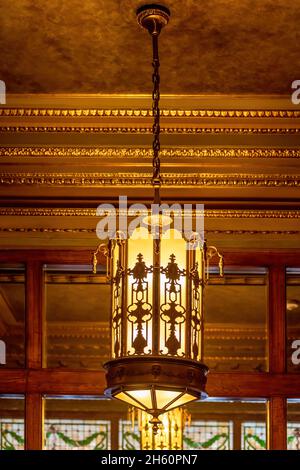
(208,435)
(129,435)
(11,434)
(293,436)
(254,436)
(62,434)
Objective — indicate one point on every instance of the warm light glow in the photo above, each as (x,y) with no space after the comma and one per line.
(170,432)
(164,397)
(140,243)
(186,398)
(153,398)
(173,244)
(144,397)
(127,399)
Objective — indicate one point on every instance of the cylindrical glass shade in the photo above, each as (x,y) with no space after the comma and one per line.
(157,297)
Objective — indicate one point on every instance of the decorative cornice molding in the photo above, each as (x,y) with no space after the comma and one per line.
(148,130)
(208,213)
(125,152)
(144,113)
(93,231)
(144,179)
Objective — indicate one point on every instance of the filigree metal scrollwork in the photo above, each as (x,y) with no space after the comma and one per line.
(140,309)
(172,310)
(196,312)
(117,309)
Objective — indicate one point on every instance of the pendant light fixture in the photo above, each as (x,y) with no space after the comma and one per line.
(157,280)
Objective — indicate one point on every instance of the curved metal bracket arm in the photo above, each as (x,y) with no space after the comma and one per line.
(103,249)
(211,252)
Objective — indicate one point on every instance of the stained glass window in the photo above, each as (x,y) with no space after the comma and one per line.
(11,434)
(129,436)
(253,436)
(77,435)
(11,422)
(210,435)
(293,436)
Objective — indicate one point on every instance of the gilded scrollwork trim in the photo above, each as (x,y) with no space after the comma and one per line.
(81,230)
(208,213)
(172,152)
(148,130)
(144,179)
(144,113)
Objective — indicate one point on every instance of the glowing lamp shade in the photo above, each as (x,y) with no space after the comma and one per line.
(155,399)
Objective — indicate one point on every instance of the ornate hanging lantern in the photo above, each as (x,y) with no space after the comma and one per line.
(157,279)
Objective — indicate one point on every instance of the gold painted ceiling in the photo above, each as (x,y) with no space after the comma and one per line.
(96,46)
(76,127)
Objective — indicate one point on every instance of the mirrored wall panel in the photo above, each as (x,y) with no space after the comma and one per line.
(12,316)
(293,319)
(77,305)
(236,320)
(293,425)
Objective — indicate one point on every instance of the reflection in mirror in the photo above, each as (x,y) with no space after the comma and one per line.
(77,305)
(12,316)
(236,320)
(293,319)
(293,424)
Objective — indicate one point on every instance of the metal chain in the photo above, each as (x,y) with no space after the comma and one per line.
(156,179)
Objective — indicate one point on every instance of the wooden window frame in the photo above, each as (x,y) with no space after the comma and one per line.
(34,381)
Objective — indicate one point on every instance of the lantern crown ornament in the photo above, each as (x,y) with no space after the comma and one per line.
(157,280)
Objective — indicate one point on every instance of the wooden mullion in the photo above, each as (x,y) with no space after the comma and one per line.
(114,433)
(34,315)
(277,423)
(34,353)
(277,320)
(277,415)
(34,421)
(237,433)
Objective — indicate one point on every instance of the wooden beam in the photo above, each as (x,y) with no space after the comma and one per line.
(84,256)
(277,419)
(34,421)
(82,382)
